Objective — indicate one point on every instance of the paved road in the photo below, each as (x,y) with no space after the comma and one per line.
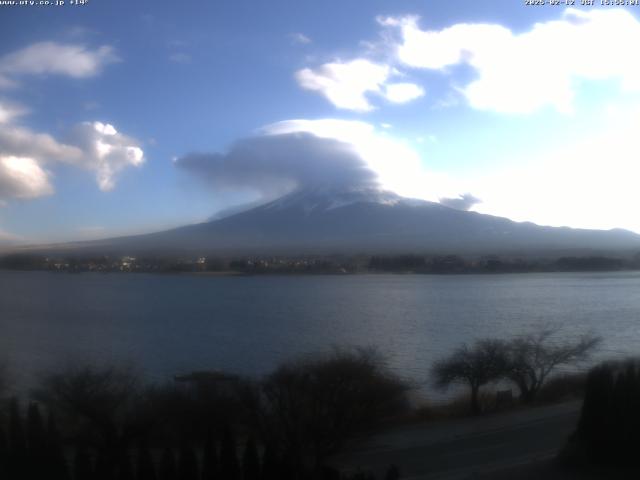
(458,449)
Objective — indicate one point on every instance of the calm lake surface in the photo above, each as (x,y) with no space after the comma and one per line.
(170,324)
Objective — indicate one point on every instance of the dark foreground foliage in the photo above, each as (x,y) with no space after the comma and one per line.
(607,432)
(104,423)
(313,406)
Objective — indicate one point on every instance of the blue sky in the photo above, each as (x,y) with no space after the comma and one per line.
(123,117)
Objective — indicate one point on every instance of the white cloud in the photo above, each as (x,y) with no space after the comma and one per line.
(523,72)
(442,48)
(346,84)
(23,154)
(403,92)
(591,184)
(106,151)
(22,177)
(9,112)
(45,58)
(22,142)
(93,146)
(299,38)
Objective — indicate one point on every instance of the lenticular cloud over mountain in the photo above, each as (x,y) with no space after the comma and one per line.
(273,165)
(311,154)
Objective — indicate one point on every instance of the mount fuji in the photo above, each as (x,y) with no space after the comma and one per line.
(364,220)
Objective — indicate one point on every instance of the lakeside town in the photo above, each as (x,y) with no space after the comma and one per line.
(319,264)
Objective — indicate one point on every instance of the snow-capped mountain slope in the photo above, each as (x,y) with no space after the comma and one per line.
(365,221)
(323,200)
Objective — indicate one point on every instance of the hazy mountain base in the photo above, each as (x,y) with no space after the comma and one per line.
(359,222)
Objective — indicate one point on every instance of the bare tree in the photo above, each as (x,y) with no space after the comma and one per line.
(311,406)
(533,357)
(99,404)
(476,366)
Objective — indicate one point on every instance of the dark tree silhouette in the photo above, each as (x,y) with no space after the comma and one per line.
(187,463)
(270,470)
(17,438)
(608,428)
(195,404)
(37,443)
(82,465)
(311,407)
(125,468)
(328,473)
(360,475)
(36,433)
(251,461)
(59,470)
(4,453)
(145,467)
(229,468)
(100,401)
(18,462)
(393,473)
(104,467)
(532,358)
(289,468)
(168,469)
(484,362)
(209,458)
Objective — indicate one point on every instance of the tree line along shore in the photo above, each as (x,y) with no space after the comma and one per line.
(322,264)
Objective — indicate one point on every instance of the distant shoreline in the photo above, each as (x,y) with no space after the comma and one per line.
(231,273)
(226,273)
(336,264)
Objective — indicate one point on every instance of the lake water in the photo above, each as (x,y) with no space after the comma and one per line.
(170,324)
